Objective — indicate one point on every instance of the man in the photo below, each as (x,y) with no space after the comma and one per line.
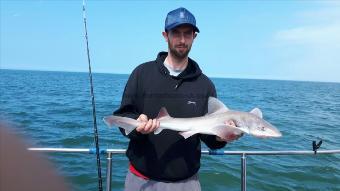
(167,161)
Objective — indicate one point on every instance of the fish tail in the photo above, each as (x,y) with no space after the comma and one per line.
(126,123)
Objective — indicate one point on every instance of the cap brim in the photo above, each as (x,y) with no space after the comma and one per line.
(183,23)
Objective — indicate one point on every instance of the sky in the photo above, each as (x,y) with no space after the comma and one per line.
(283,40)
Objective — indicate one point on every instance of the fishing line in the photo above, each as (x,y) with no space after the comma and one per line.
(100,184)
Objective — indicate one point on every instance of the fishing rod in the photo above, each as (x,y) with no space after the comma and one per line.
(100,182)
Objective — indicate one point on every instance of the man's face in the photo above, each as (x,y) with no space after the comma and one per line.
(180,40)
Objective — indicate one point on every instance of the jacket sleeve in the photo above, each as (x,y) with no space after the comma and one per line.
(210,140)
(129,105)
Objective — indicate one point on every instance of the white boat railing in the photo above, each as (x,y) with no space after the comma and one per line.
(243,155)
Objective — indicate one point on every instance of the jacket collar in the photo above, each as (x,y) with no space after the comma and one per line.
(191,71)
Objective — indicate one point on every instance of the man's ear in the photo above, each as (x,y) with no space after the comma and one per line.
(165,35)
(195,35)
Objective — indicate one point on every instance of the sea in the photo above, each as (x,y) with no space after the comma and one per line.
(53,109)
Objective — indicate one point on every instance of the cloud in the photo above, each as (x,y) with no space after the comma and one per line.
(316,27)
(328,12)
(310,49)
(311,35)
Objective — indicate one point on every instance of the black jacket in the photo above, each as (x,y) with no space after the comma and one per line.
(166,156)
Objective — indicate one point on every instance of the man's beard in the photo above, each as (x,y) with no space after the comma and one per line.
(179,54)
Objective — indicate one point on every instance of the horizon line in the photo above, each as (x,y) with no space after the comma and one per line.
(218,77)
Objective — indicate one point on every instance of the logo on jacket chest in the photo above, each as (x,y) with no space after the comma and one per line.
(191,103)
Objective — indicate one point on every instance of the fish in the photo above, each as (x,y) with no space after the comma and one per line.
(215,122)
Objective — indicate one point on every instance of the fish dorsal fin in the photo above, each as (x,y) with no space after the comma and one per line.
(216,106)
(256,111)
(162,113)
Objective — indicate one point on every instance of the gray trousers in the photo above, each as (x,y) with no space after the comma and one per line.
(135,183)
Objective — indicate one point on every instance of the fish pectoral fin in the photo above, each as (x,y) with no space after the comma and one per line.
(243,129)
(220,131)
(187,134)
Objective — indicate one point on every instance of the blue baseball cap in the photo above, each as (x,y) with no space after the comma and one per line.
(178,17)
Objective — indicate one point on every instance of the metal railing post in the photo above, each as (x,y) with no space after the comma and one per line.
(108,171)
(244,172)
(243,155)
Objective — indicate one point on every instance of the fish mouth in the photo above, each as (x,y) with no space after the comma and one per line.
(272,133)
(276,133)
(277,136)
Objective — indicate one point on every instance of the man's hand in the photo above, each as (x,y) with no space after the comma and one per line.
(147,126)
(232,137)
